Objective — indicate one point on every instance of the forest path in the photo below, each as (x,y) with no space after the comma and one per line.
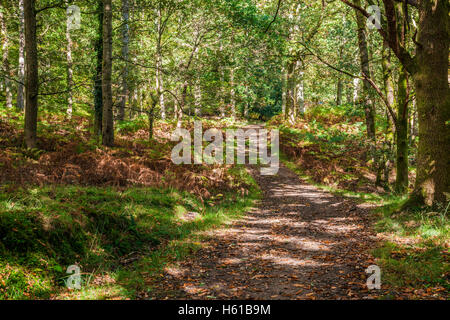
(299,242)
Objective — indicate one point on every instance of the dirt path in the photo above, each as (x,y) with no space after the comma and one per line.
(299,243)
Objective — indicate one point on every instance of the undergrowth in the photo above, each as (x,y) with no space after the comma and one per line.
(101,229)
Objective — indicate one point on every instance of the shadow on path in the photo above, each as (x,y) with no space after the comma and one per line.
(299,243)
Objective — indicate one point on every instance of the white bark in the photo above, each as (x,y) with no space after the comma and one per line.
(5,58)
(355,89)
(159,78)
(69,70)
(197,99)
(300,94)
(125,53)
(21,70)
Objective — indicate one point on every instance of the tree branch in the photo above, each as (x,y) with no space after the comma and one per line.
(274,17)
(391,36)
(51,6)
(364,77)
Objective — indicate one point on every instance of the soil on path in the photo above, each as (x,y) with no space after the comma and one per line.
(298,243)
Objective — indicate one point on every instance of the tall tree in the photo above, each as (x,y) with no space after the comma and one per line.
(401,181)
(433,101)
(161,25)
(5,57)
(108,116)
(32,80)
(98,97)
(21,67)
(69,69)
(369,107)
(429,70)
(125,51)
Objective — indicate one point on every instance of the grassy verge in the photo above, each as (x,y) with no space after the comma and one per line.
(360,196)
(413,251)
(118,237)
(414,254)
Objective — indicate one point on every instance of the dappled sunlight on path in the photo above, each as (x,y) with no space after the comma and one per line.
(299,243)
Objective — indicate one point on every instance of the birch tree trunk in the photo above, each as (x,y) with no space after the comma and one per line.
(290,94)
(355,90)
(222,94)
(125,51)
(5,57)
(197,98)
(222,79)
(159,78)
(69,71)
(283,92)
(299,89)
(21,67)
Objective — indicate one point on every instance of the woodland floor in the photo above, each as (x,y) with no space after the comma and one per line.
(299,242)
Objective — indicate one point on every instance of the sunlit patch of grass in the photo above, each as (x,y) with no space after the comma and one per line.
(425,265)
(415,253)
(419,223)
(385,199)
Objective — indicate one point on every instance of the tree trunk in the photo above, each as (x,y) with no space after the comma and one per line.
(232,94)
(290,94)
(21,69)
(222,94)
(355,90)
(299,97)
(339,92)
(413,125)
(197,98)
(284,92)
(125,51)
(387,81)
(401,181)
(433,102)
(133,98)
(69,71)
(98,98)
(159,78)
(387,73)
(369,108)
(108,120)
(5,57)
(182,102)
(32,80)
(220,90)
(246,101)
(348,92)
